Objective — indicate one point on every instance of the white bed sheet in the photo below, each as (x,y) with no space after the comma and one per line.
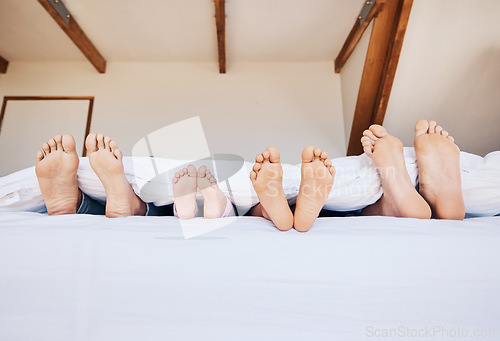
(92,278)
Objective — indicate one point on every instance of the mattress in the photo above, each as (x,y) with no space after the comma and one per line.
(81,277)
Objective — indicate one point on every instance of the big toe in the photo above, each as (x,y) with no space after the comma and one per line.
(191,171)
(91,143)
(378,130)
(274,154)
(68,143)
(308,154)
(421,127)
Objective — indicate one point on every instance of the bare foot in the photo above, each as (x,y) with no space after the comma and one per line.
(106,161)
(400,198)
(56,172)
(315,186)
(267,180)
(438,159)
(214,201)
(184,183)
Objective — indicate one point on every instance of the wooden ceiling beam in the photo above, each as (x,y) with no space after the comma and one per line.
(3,65)
(355,36)
(76,34)
(220,22)
(381,61)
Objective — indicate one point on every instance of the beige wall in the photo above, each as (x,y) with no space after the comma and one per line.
(449,70)
(254,105)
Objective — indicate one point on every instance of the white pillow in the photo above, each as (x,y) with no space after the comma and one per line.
(356,185)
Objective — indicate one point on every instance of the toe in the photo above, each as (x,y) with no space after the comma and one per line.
(308,154)
(421,127)
(323,155)
(378,130)
(191,171)
(444,133)
(58,139)
(68,143)
(175,178)
(46,148)
(202,171)
(39,155)
(253,176)
(100,141)
(117,153)
(113,145)
(432,127)
(317,153)
(450,138)
(259,158)
(91,142)
(332,170)
(328,162)
(369,134)
(107,140)
(438,129)
(274,154)
(52,144)
(257,167)
(266,155)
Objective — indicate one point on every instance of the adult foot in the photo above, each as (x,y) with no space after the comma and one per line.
(438,159)
(214,201)
(184,183)
(106,161)
(267,180)
(56,172)
(400,198)
(315,186)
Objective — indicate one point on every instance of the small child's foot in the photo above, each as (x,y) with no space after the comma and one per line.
(400,198)
(56,172)
(214,201)
(106,161)
(315,186)
(438,159)
(267,180)
(184,183)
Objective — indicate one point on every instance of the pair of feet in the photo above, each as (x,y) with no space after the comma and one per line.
(186,182)
(317,175)
(438,158)
(57,168)
(439,195)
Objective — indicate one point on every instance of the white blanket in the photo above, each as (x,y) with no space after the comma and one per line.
(90,278)
(356,184)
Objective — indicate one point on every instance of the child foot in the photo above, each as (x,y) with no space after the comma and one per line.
(56,172)
(267,180)
(400,199)
(106,161)
(438,159)
(214,201)
(315,186)
(184,183)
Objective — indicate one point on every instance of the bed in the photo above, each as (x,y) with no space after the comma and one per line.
(83,277)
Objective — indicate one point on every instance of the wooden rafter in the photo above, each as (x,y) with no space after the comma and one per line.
(3,65)
(355,36)
(220,21)
(79,38)
(382,58)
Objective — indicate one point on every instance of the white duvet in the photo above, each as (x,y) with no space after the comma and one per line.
(356,185)
(89,278)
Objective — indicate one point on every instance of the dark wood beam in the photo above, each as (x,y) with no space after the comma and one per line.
(380,66)
(3,65)
(355,36)
(79,38)
(220,21)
